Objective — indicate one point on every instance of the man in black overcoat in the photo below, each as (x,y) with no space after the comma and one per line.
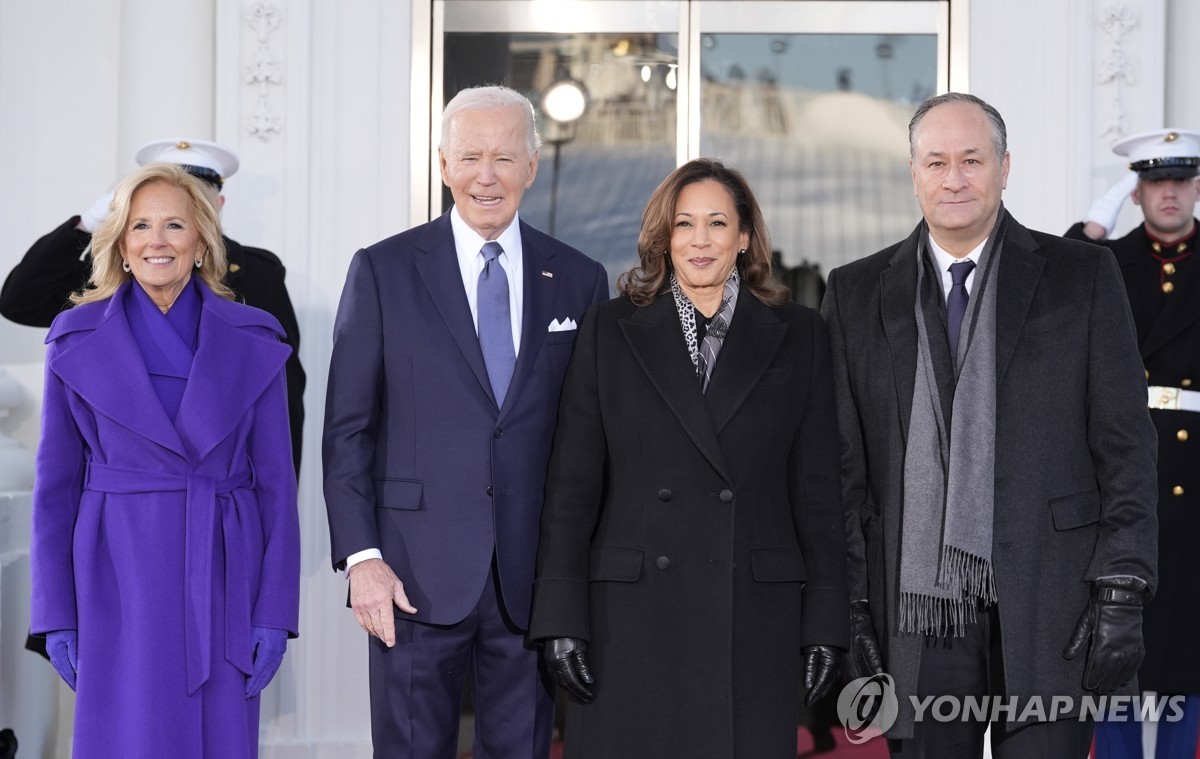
(997,459)
(1163,284)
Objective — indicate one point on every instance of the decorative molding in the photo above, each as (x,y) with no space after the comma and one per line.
(264,70)
(1116,66)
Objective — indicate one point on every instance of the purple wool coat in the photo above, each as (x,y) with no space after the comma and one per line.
(164,543)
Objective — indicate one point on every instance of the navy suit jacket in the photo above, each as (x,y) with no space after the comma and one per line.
(419,461)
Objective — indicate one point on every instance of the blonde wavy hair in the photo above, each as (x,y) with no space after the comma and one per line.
(109,239)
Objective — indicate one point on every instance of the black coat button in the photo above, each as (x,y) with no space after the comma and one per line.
(664,495)
(727,496)
(498,433)
(489,490)
(662,562)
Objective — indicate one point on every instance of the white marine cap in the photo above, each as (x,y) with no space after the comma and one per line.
(206,160)
(1162,154)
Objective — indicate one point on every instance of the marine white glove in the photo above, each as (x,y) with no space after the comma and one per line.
(92,218)
(1105,209)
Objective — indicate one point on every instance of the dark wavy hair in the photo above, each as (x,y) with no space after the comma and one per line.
(651,278)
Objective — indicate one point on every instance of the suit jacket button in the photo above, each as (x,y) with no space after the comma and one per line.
(1181,436)
(664,495)
(662,562)
(727,496)
(498,433)
(1177,490)
(489,490)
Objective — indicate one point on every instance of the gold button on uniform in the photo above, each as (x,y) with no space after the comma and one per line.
(1168,287)
(1181,436)
(1168,268)
(1182,383)
(1177,490)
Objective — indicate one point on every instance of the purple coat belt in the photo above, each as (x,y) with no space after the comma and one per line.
(207,500)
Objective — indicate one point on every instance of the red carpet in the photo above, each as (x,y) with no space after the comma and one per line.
(874,749)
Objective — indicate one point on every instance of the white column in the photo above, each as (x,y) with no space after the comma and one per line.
(1182,100)
(166,56)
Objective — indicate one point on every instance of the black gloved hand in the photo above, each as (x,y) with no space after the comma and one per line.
(865,659)
(1113,622)
(821,667)
(566,658)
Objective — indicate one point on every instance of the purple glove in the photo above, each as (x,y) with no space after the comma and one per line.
(269,646)
(62,646)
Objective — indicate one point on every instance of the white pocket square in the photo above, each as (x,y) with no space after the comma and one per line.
(566,325)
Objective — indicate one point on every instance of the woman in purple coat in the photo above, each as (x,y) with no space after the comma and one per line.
(165,533)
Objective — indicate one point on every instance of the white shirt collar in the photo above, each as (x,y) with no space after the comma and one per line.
(468,242)
(943,260)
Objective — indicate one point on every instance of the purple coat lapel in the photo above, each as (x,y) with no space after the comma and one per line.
(232,368)
(106,369)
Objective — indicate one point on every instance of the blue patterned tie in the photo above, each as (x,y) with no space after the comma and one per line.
(956,304)
(495,322)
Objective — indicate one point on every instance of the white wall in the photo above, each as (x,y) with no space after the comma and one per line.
(83,82)
(1043,66)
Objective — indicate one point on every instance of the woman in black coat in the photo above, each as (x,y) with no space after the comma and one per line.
(691,569)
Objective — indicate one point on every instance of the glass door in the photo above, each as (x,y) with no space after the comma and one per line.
(809,99)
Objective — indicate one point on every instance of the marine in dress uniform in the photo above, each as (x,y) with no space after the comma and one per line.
(1160,262)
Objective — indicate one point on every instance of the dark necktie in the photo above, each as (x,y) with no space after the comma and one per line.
(956,304)
(495,322)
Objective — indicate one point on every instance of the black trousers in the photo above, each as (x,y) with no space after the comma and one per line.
(974,666)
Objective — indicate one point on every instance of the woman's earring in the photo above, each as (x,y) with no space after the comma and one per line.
(125,266)
(199,262)
(742,252)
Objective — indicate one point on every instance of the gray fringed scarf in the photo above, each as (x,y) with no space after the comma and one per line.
(949,480)
(704,352)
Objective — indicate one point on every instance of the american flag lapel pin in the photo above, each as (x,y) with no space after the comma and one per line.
(549,274)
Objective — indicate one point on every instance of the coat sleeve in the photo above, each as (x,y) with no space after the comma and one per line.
(574,487)
(817,505)
(855,500)
(1121,436)
(58,486)
(277,601)
(352,412)
(37,288)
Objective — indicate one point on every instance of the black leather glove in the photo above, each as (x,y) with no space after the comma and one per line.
(1113,622)
(865,659)
(821,667)
(566,658)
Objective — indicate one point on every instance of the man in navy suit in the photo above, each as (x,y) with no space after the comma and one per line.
(450,345)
